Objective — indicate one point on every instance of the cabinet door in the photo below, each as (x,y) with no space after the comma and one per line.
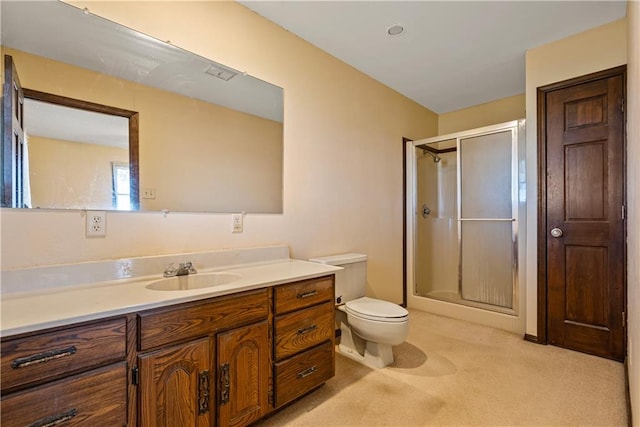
(243,374)
(174,386)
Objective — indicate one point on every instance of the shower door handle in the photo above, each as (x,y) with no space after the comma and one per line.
(556,232)
(425,211)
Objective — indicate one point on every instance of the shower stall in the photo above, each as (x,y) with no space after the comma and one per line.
(465,204)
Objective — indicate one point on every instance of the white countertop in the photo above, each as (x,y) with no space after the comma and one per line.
(31,311)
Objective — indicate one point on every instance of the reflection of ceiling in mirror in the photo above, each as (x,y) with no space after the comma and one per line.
(71,124)
(65,33)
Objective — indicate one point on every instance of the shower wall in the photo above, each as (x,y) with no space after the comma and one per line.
(437,232)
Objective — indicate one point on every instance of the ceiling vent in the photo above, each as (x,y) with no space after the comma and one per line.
(221,72)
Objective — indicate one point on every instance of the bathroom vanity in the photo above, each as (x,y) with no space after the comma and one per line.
(226,356)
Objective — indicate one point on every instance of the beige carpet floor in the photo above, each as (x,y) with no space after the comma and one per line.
(451,372)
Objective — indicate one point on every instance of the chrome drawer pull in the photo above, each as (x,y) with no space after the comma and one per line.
(307,372)
(22,362)
(54,420)
(307,329)
(307,294)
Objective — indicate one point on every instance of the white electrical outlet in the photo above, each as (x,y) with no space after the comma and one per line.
(237,223)
(96,223)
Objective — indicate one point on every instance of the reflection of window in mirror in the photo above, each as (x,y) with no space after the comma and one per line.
(121,189)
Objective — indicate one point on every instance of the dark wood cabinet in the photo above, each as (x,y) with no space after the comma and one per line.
(304,334)
(66,376)
(243,374)
(206,362)
(225,361)
(182,322)
(96,397)
(302,329)
(303,372)
(175,386)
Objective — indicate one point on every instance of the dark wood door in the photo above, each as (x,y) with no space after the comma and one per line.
(243,375)
(175,386)
(585,227)
(12,137)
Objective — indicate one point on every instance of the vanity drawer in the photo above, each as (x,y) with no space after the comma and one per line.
(185,322)
(49,355)
(303,372)
(97,397)
(303,294)
(302,329)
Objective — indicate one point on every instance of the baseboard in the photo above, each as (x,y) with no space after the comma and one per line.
(531,338)
(627,392)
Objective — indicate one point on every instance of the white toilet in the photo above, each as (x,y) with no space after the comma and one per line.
(369,327)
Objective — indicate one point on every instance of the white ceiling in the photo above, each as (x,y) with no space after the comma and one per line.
(72,124)
(453,54)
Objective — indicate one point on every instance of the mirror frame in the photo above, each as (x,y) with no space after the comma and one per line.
(132,116)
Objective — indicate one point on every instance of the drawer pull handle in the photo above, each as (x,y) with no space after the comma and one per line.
(307,329)
(22,362)
(307,294)
(224,384)
(307,372)
(203,392)
(54,420)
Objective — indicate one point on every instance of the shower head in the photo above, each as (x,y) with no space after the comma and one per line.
(436,158)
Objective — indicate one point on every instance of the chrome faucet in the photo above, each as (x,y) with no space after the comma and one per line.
(182,270)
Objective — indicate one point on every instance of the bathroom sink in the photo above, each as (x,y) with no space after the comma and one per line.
(192,281)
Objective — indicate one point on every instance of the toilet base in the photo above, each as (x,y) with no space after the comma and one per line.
(374,355)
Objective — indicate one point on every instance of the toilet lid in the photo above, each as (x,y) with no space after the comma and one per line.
(375,309)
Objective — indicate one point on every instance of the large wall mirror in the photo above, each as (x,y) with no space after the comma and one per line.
(116,120)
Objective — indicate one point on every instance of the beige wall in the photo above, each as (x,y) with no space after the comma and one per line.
(633,204)
(212,159)
(593,50)
(189,149)
(491,113)
(67,174)
(342,156)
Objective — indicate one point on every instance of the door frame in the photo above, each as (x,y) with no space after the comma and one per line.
(542,186)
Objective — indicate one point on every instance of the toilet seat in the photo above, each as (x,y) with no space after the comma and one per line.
(378,310)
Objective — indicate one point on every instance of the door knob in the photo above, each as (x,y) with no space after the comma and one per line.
(425,211)
(556,232)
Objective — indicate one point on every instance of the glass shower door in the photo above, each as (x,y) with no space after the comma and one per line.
(486,195)
(436,275)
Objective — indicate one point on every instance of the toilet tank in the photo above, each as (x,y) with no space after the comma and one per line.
(352,281)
